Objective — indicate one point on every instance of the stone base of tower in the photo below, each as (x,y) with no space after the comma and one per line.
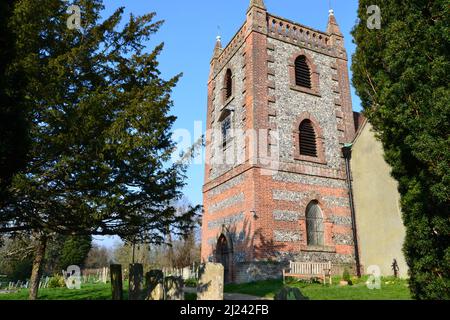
(239,270)
(246,272)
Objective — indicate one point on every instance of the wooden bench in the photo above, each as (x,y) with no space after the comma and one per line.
(308,270)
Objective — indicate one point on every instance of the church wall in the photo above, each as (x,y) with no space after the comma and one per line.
(291,104)
(378,214)
(233,155)
(282,198)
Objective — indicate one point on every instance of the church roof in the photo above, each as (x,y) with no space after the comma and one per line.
(360,123)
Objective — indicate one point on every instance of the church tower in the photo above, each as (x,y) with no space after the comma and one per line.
(279,112)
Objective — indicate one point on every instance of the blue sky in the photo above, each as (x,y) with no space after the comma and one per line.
(189,34)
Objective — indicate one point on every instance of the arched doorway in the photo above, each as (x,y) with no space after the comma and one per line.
(223,256)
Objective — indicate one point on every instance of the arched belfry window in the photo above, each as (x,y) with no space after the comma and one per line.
(228,84)
(314,224)
(307,138)
(302,72)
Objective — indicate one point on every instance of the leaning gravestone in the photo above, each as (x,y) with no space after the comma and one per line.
(154,285)
(173,288)
(290,294)
(210,284)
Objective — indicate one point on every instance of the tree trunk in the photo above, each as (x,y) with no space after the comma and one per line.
(37,266)
(170,255)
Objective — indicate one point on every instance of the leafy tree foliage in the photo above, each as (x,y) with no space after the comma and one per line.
(16,254)
(55,246)
(401,72)
(101,135)
(75,251)
(100,128)
(13,106)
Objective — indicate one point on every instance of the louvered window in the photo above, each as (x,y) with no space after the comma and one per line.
(228,84)
(302,72)
(314,224)
(307,137)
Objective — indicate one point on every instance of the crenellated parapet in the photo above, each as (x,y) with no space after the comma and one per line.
(290,32)
(303,36)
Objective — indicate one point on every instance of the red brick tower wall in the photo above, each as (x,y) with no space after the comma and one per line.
(256,195)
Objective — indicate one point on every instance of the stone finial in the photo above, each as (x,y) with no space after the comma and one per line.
(218,47)
(333,27)
(257,3)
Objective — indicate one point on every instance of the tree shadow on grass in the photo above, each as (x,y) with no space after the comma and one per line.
(266,288)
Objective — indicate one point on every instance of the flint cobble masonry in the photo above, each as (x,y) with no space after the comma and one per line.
(255,205)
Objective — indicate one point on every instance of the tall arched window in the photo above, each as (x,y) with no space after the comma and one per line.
(308,141)
(228,84)
(225,126)
(302,72)
(314,224)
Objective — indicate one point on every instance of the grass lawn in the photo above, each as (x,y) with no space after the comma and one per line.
(97,291)
(190,296)
(391,289)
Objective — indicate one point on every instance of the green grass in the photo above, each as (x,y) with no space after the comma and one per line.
(192,283)
(391,289)
(98,291)
(190,296)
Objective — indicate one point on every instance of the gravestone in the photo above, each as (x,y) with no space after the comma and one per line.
(154,285)
(290,294)
(186,273)
(173,288)
(136,281)
(210,283)
(105,275)
(116,282)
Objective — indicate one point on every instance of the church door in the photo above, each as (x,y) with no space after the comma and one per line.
(223,256)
